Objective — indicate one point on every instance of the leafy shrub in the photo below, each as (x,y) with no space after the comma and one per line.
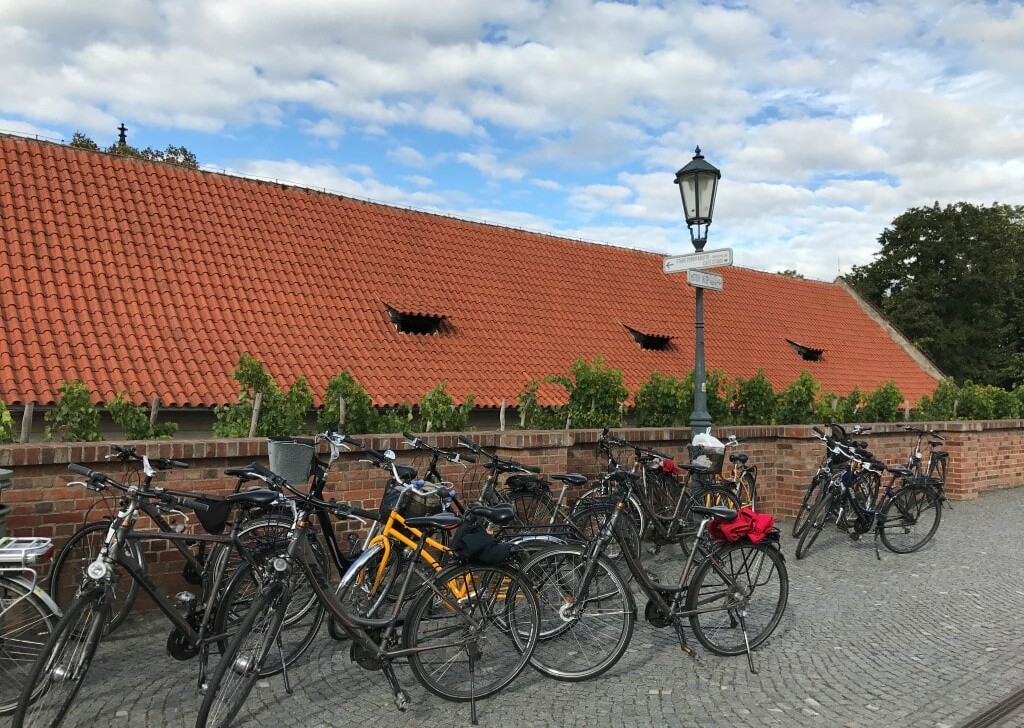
(795,404)
(6,424)
(941,405)
(360,416)
(661,402)
(833,408)
(596,398)
(720,393)
(75,418)
(134,420)
(438,412)
(755,400)
(280,413)
(882,405)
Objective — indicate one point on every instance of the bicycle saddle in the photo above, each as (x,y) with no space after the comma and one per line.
(720,512)
(501,514)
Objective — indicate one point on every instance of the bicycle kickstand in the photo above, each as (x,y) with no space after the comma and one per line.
(683,645)
(474,654)
(284,665)
(401,698)
(877,554)
(746,643)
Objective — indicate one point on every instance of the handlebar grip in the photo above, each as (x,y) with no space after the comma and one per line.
(354,441)
(82,470)
(376,454)
(177,464)
(195,505)
(818,430)
(467,458)
(409,436)
(529,468)
(466,442)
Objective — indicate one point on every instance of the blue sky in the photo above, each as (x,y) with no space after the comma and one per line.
(828,119)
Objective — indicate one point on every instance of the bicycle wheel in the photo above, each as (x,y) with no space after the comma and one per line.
(816,523)
(26,624)
(604,493)
(591,517)
(743,579)
(910,519)
(531,508)
(303,616)
(252,645)
(746,490)
(811,497)
(76,554)
(663,492)
(581,635)
(62,664)
(476,626)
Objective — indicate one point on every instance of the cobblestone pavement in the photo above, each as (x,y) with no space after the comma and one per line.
(925,639)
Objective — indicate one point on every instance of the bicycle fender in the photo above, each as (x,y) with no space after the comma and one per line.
(359,563)
(38,592)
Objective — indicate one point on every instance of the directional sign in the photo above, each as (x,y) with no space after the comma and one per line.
(700,279)
(707,259)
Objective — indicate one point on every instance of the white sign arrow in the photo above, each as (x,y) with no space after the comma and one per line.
(706,259)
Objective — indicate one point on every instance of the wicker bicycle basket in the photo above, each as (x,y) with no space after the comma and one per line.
(407,503)
(291,458)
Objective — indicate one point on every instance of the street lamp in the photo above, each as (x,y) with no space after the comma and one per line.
(698,182)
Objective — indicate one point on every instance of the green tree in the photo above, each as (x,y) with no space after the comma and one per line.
(790,273)
(661,402)
(134,420)
(360,416)
(794,405)
(6,425)
(883,404)
(755,400)
(438,412)
(952,280)
(74,418)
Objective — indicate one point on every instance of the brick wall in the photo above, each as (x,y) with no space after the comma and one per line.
(983,456)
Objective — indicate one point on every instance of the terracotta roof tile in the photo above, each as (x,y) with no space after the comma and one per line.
(133,275)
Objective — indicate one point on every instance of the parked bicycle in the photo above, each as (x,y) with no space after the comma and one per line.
(732,595)
(467,635)
(832,461)
(61,667)
(904,516)
(27,614)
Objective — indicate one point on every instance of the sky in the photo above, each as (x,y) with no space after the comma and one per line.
(827,119)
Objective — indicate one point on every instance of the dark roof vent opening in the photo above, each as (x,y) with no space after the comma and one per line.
(651,342)
(806,353)
(416,323)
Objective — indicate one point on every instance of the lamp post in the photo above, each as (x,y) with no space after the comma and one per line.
(698,182)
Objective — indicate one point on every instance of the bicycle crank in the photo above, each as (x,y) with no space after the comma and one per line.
(655,617)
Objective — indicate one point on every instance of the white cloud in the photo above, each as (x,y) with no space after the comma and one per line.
(827,118)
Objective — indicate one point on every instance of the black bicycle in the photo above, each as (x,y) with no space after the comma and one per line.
(732,595)
(904,516)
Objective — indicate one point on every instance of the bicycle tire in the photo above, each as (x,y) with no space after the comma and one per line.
(734,575)
(76,554)
(811,497)
(746,490)
(574,648)
(531,508)
(233,678)
(303,616)
(506,606)
(589,519)
(602,493)
(918,509)
(815,524)
(25,627)
(63,663)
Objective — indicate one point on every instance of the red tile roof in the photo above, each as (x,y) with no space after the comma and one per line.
(132,275)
